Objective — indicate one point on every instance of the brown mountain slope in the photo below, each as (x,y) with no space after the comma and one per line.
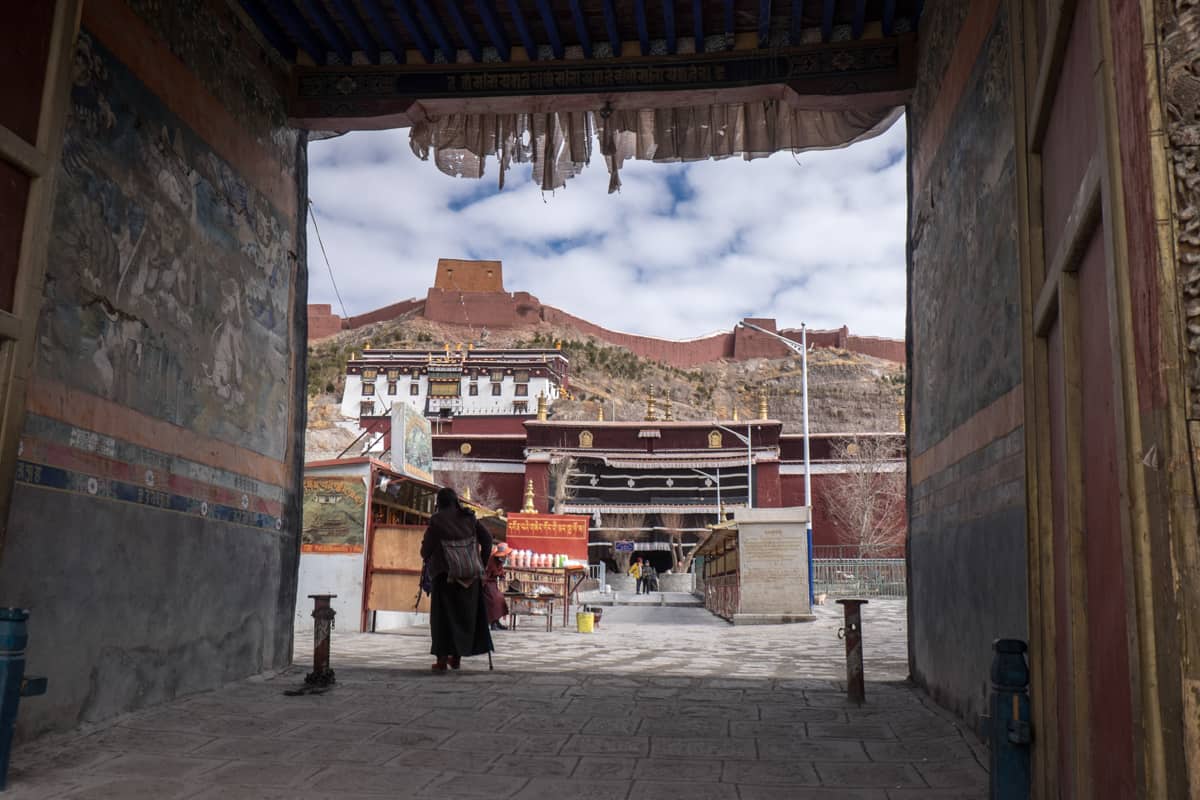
(847,391)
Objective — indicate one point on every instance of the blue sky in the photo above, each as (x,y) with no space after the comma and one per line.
(683,250)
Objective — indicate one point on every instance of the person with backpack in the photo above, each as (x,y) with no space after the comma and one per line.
(456,547)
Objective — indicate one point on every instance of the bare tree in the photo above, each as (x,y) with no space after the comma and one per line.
(867,501)
(671,523)
(630,525)
(467,482)
(560,482)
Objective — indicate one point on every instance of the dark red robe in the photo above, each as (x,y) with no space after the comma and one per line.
(493,598)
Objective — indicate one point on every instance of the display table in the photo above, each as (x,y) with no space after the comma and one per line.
(563,581)
(524,604)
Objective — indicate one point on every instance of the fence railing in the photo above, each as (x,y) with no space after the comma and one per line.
(860,577)
(721,595)
(597,571)
(824,551)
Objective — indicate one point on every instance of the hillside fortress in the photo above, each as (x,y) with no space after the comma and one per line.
(472,294)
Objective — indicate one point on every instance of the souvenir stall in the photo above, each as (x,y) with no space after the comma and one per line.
(547,564)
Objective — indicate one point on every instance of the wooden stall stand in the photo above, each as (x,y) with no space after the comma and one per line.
(563,580)
(722,582)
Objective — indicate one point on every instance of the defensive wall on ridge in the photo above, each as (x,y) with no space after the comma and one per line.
(500,309)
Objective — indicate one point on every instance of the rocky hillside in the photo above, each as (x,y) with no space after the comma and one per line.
(847,391)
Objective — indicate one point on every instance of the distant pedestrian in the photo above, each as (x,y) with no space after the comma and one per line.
(635,572)
(456,548)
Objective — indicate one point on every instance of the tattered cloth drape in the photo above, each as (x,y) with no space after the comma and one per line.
(559,145)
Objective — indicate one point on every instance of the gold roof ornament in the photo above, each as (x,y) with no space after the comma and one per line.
(542,414)
(651,409)
(366,345)
(668,412)
(528,508)
(600,412)
(467,494)
(735,414)
(354,355)
(902,428)
(762,404)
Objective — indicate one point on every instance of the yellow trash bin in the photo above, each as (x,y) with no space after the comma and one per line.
(584,621)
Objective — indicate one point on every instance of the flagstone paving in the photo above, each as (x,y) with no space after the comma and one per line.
(658,703)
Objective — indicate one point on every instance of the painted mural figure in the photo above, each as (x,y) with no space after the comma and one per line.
(225,372)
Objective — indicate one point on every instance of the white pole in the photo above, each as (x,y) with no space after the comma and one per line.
(807,465)
(749,468)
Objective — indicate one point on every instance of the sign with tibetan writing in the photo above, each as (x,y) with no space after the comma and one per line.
(549,533)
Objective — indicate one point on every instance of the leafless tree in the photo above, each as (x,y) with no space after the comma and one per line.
(467,482)
(629,525)
(560,482)
(867,501)
(671,523)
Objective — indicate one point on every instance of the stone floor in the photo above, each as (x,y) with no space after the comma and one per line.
(659,703)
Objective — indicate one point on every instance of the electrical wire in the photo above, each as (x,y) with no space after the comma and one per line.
(312,215)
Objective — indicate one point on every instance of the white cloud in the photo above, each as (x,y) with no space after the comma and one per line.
(683,250)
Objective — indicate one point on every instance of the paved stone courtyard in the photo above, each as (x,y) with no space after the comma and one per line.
(659,703)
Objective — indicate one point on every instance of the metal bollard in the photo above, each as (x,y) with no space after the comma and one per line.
(1008,725)
(323,615)
(13,683)
(852,633)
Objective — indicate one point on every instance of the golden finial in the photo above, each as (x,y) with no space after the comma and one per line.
(762,404)
(354,356)
(902,428)
(668,413)
(467,494)
(735,414)
(366,345)
(558,345)
(651,410)
(541,407)
(528,508)
(600,412)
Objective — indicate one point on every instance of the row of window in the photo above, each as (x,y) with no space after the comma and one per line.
(367,408)
(445,389)
(496,375)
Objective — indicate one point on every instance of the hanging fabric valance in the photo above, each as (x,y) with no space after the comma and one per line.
(559,145)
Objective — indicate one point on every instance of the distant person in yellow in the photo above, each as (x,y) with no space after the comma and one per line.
(635,572)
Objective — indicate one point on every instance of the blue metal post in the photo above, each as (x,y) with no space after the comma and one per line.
(13,683)
(1008,724)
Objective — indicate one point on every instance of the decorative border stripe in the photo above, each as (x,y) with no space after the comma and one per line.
(1000,418)
(47,477)
(57,401)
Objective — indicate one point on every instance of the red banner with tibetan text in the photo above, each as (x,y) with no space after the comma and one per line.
(550,533)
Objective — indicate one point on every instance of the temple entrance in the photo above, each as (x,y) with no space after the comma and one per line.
(154,397)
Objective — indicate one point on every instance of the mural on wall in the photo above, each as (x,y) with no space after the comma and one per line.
(412,443)
(169,276)
(334,515)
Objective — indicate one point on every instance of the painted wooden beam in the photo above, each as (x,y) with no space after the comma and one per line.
(669,24)
(860,18)
(729,31)
(328,29)
(298,29)
(639,13)
(889,17)
(433,24)
(764,23)
(384,30)
(491,23)
(454,9)
(827,20)
(797,22)
(585,39)
(518,18)
(698,24)
(365,43)
(610,26)
(547,13)
(271,31)
(409,20)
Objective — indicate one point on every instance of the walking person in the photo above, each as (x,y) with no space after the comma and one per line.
(635,572)
(493,597)
(456,548)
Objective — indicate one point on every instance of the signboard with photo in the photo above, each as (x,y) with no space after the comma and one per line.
(412,443)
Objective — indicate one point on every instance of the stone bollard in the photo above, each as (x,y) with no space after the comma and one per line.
(1008,727)
(851,631)
(323,615)
(13,683)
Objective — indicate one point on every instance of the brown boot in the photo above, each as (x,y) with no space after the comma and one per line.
(454,661)
(439,665)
